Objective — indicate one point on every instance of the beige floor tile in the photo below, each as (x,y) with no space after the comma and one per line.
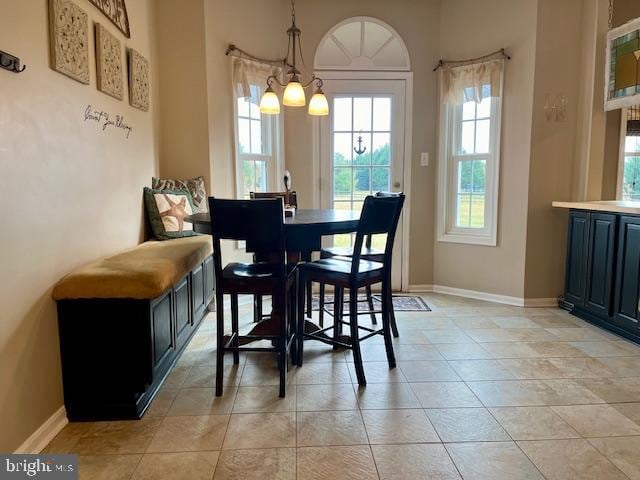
(384,396)
(553,321)
(629,410)
(531,368)
(606,349)
(597,420)
(570,459)
(118,437)
(428,371)
(614,390)
(317,352)
(499,350)
(161,402)
(533,423)
(445,395)
(190,433)
(515,322)
(407,337)
(621,366)
(326,397)
(622,452)
(403,462)
(488,335)
(398,426)
(378,372)
(260,430)
(463,351)
(205,376)
(336,463)
(107,467)
(264,399)
(416,352)
(177,376)
(572,392)
(448,336)
(202,401)
(466,425)
(330,428)
(583,367)
(176,466)
(576,334)
(470,370)
(264,374)
(554,349)
(66,440)
(471,323)
(492,461)
(320,373)
(263,464)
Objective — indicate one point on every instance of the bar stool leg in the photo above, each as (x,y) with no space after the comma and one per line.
(370,303)
(234,327)
(301,317)
(282,355)
(386,331)
(220,341)
(355,342)
(338,296)
(257,308)
(387,295)
(321,305)
(306,256)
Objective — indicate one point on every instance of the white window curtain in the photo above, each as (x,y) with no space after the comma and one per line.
(243,71)
(473,82)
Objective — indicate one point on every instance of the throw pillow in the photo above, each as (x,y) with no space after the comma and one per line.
(195,186)
(167,210)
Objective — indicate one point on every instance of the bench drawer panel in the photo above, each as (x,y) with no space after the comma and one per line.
(162,330)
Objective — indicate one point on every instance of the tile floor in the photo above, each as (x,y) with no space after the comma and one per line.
(482,391)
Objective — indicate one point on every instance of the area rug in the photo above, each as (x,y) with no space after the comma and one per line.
(401,303)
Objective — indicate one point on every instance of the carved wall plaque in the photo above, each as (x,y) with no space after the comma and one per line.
(69,39)
(138,81)
(109,63)
(116,11)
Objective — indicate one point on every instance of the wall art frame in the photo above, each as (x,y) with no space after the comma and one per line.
(138,80)
(109,63)
(69,40)
(622,67)
(116,12)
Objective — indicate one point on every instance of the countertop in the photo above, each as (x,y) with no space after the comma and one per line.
(615,206)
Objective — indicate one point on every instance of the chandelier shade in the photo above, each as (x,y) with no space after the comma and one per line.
(294,94)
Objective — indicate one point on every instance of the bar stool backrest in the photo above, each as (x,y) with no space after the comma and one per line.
(290,198)
(380,215)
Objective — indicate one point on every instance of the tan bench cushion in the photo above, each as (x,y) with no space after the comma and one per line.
(142,272)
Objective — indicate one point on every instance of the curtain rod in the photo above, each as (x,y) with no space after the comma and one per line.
(502,53)
(231,49)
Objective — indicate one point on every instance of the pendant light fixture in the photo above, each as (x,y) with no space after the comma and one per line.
(294,95)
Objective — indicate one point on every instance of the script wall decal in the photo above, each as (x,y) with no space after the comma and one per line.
(116,11)
(105,121)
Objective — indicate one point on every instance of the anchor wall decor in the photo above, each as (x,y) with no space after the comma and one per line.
(360,150)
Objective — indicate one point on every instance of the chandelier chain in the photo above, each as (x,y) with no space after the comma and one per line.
(293,10)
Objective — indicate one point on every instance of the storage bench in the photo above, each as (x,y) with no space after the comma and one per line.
(124,321)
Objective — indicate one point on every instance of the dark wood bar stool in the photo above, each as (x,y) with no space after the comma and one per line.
(368,253)
(290,198)
(380,215)
(260,223)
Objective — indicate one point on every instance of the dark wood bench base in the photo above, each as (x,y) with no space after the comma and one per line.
(116,353)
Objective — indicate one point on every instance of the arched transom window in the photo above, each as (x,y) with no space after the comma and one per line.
(362,43)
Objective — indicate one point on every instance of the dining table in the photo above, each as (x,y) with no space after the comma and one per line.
(303,236)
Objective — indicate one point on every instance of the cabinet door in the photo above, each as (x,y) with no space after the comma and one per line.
(183,311)
(577,254)
(162,330)
(627,285)
(602,236)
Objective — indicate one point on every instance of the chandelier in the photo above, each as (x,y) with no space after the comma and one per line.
(294,95)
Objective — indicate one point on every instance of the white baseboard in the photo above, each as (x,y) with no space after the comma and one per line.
(45,433)
(486,296)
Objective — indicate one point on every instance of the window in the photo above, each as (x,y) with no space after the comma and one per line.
(629,167)
(469,165)
(257,145)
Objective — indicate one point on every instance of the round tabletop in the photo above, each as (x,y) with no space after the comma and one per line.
(304,230)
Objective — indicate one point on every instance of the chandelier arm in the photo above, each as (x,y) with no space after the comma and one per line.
(313,79)
(273,78)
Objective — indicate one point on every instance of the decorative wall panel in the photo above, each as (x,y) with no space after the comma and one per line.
(69,39)
(109,63)
(138,81)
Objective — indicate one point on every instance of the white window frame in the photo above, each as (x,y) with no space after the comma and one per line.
(450,125)
(622,153)
(272,136)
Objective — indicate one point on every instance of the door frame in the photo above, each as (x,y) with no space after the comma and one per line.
(407,77)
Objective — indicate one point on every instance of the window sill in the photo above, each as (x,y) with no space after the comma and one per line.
(484,240)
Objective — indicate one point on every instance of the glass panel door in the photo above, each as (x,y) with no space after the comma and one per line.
(361,153)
